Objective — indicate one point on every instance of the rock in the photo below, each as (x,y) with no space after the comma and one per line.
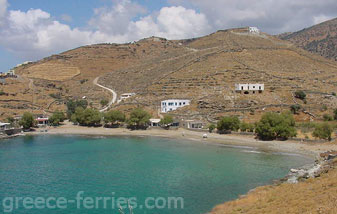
(294,170)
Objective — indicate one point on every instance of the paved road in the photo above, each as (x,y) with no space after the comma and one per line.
(114,94)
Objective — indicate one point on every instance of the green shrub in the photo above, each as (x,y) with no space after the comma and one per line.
(27,121)
(104,102)
(211,127)
(73,104)
(166,121)
(56,96)
(228,124)
(295,108)
(300,95)
(335,114)
(83,81)
(2,93)
(276,126)
(323,131)
(57,118)
(333,94)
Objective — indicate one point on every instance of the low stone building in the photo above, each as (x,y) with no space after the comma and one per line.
(248,88)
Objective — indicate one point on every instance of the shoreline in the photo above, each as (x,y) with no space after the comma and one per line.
(311,150)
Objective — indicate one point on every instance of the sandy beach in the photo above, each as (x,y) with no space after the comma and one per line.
(309,149)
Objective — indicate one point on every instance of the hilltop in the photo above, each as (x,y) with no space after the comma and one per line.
(319,39)
(204,70)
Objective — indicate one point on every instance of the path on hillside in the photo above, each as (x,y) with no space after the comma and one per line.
(114,94)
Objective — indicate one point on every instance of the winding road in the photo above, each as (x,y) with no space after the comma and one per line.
(114,94)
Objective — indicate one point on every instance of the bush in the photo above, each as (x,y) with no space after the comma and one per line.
(328,117)
(104,102)
(211,127)
(114,117)
(333,94)
(57,118)
(83,81)
(276,126)
(300,95)
(166,121)
(335,114)
(87,117)
(228,124)
(139,118)
(295,108)
(2,93)
(73,104)
(247,127)
(323,131)
(27,121)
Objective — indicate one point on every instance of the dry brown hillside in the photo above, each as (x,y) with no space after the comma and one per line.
(320,39)
(203,70)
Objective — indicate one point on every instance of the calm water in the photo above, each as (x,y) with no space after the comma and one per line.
(61,166)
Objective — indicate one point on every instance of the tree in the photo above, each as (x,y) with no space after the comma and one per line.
(211,127)
(295,108)
(300,95)
(57,118)
(87,117)
(166,121)
(276,126)
(139,118)
(73,104)
(323,131)
(114,117)
(27,121)
(104,102)
(247,127)
(228,124)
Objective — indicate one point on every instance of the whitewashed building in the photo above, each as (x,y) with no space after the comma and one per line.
(254,30)
(172,105)
(154,122)
(125,96)
(247,88)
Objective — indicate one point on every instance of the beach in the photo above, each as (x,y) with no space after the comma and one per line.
(308,149)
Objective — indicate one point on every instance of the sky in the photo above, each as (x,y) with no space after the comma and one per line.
(33,29)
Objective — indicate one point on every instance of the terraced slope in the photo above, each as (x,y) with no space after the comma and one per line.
(204,70)
(320,39)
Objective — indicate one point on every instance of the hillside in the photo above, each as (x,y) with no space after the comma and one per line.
(204,70)
(319,39)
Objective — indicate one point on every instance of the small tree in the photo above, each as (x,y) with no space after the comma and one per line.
(211,127)
(114,117)
(87,117)
(228,124)
(295,108)
(166,121)
(323,131)
(276,126)
(73,104)
(139,118)
(27,121)
(244,127)
(57,118)
(300,95)
(104,102)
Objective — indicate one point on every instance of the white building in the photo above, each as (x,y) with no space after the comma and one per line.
(172,105)
(4,126)
(254,30)
(247,88)
(154,122)
(126,96)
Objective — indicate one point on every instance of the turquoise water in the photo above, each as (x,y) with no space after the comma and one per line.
(61,166)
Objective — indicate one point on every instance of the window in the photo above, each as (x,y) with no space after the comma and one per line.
(180,103)
(176,104)
(184,103)
(260,87)
(241,87)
